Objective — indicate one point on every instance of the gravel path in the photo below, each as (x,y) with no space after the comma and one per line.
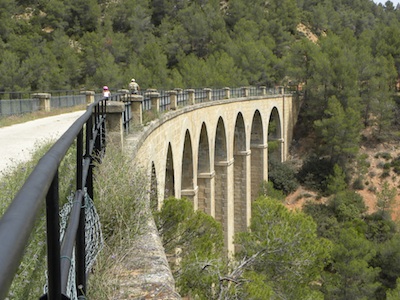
(18,141)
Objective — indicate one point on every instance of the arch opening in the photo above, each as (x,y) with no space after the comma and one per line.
(258,155)
(187,186)
(241,176)
(274,137)
(153,189)
(169,190)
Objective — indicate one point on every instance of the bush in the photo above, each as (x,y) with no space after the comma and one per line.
(200,239)
(282,176)
(358,184)
(267,189)
(384,155)
(120,194)
(314,172)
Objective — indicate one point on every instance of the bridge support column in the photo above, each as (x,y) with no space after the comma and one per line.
(114,122)
(259,167)
(89,96)
(242,191)
(44,101)
(227,91)
(224,203)
(191,99)
(192,196)
(208,92)
(173,100)
(206,193)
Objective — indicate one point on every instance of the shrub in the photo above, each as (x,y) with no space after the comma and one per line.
(385,174)
(120,194)
(314,172)
(267,189)
(358,184)
(384,155)
(282,176)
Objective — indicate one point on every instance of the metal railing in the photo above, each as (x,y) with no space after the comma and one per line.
(16,103)
(17,223)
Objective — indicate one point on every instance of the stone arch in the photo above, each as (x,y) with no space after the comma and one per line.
(169,186)
(187,189)
(258,154)
(205,177)
(241,187)
(154,205)
(221,165)
(275,136)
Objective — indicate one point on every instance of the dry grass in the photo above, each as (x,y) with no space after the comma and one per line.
(121,191)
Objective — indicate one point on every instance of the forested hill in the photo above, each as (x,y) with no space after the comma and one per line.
(70,44)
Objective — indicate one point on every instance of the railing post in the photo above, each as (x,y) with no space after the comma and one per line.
(178,90)
(44,101)
(53,241)
(173,98)
(263,90)
(114,126)
(281,90)
(136,108)
(80,252)
(89,96)
(191,99)
(208,94)
(155,101)
(245,91)
(227,91)
(124,94)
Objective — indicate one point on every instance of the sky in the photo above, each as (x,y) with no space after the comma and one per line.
(395,2)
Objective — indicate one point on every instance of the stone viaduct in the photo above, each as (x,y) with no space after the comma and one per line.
(215,153)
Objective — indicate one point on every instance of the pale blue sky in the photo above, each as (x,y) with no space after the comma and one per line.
(395,2)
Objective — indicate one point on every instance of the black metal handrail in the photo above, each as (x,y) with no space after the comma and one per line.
(18,221)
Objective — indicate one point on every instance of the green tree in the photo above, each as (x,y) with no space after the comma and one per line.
(386,199)
(339,132)
(10,71)
(282,176)
(83,16)
(194,242)
(347,205)
(290,255)
(7,26)
(394,294)
(337,181)
(349,275)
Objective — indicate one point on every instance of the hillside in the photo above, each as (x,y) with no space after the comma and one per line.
(377,155)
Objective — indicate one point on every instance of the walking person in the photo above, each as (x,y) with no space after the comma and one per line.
(106,92)
(134,87)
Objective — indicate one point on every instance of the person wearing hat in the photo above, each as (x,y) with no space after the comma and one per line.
(134,87)
(106,92)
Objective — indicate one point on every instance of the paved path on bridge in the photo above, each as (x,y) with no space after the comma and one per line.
(18,141)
